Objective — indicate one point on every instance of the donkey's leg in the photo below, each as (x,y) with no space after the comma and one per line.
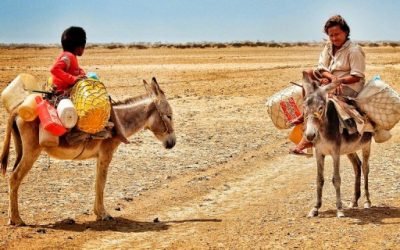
(355,161)
(103,162)
(30,155)
(18,147)
(320,184)
(336,180)
(365,168)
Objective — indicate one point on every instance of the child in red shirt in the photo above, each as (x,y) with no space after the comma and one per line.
(66,71)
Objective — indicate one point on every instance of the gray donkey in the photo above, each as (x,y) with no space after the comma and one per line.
(322,129)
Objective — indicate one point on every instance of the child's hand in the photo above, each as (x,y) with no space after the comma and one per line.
(81,77)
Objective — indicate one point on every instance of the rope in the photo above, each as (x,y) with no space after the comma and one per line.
(83,149)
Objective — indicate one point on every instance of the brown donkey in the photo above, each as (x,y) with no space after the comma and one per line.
(151,111)
(322,128)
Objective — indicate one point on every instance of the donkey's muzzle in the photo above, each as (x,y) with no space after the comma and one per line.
(310,137)
(170,141)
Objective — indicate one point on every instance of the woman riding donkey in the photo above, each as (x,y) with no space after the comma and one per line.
(340,61)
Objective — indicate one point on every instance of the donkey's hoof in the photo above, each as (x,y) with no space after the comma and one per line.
(367,204)
(353,204)
(18,223)
(105,218)
(313,213)
(340,214)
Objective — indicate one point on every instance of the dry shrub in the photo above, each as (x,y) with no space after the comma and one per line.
(219,45)
(113,46)
(373,44)
(138,46)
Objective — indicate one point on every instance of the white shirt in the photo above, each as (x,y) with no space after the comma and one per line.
(348,60)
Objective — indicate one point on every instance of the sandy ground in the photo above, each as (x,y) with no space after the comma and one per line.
(229,183)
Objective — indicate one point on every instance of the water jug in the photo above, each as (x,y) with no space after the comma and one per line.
(296,134)
(48,117)
(27,110)
(67,113)
(15,92)
(92,75)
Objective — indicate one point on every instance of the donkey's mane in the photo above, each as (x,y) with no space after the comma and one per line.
(332,124)
(332,131)
(130,100)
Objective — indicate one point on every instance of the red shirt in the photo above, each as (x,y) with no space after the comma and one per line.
(65,71)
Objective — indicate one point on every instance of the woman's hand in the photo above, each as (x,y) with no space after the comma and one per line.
(339,89)
(324,81)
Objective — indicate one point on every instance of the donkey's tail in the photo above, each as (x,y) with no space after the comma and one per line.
(6,145)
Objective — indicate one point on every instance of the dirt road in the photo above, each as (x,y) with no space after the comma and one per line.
(229,182)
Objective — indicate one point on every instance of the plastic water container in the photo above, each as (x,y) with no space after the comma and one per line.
(27,110)
(47,139)
(296,134)
(48,117)
(67,113)
(92,75)
(15,93)
(376,77)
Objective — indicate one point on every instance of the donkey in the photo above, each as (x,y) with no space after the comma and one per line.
(322,129)
(150,111)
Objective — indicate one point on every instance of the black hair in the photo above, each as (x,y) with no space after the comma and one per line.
(337,20)
(72,38)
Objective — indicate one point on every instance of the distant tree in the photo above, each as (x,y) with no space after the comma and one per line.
(394,44)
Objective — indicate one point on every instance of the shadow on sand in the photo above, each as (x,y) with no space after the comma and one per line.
(374,215)
(118,224)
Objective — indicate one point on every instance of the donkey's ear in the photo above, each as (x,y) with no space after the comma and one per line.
(307,77)
(309,87)
(156,88)
(331,86)
(148,87)
(307,84)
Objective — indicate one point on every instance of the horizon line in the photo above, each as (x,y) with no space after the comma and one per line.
(197,42)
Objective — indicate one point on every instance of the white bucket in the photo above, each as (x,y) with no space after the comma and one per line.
(46,138)
(15,93)
(67,113)
(27,110)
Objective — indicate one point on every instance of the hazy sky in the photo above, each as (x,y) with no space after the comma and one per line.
(125,21)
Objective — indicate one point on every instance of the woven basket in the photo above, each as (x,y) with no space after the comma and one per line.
(284,106)
(92,105)
(381,103)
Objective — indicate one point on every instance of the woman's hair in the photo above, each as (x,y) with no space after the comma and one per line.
(72,38)
(337,21)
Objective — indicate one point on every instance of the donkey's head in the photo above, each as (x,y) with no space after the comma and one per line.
(315,105)
(160,121)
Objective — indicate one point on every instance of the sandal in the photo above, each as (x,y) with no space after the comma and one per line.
(299,152)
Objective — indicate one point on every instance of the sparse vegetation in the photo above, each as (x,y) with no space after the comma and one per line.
(199,45)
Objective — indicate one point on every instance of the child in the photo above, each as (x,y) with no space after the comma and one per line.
(66,71)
